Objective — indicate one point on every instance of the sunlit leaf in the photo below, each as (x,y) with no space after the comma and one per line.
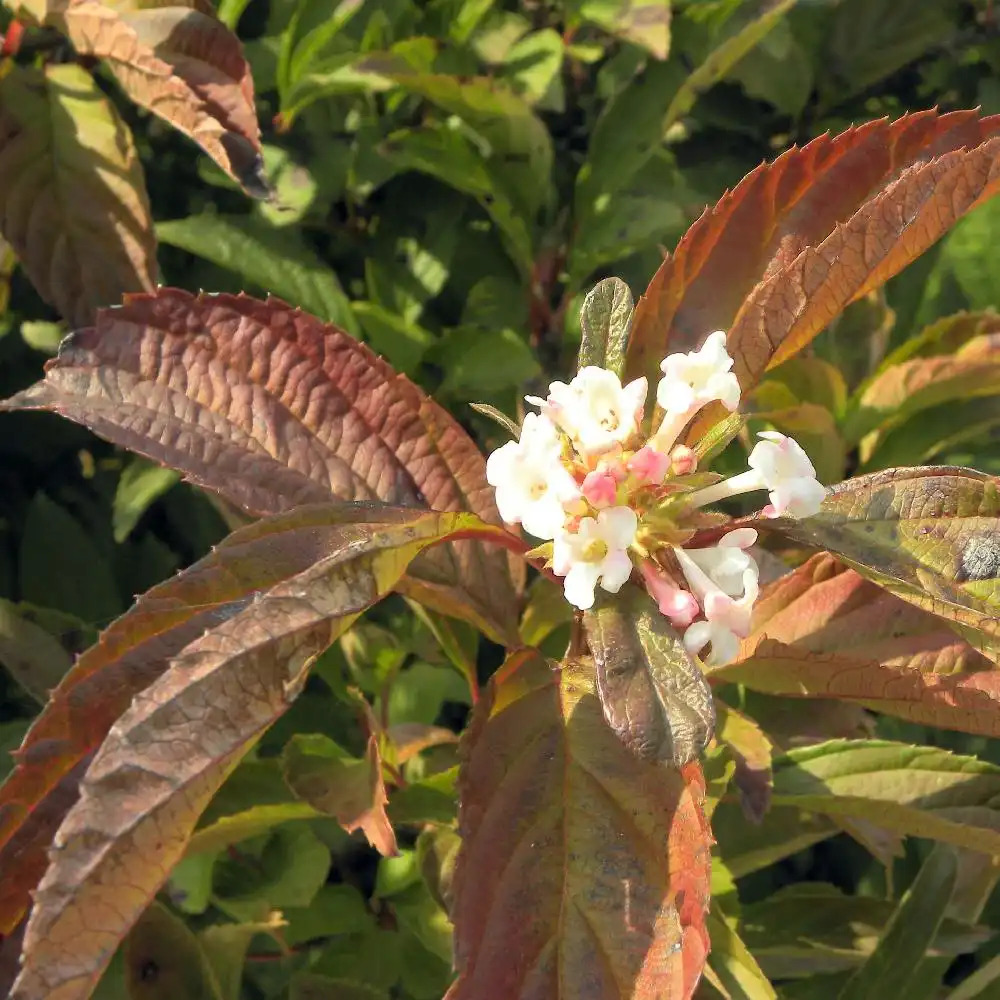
(928,535)
(913,790)
(605,321)
(179,62)
(583,871)
(72,194)
(272,408)
(824,631)
(139,486)
(273,259)
(733,964)
(781,235)
(653,694)
(751,750)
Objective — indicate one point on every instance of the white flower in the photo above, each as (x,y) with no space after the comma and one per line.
(787,474)
(725,643)
(699,377)
(689,382)
(595,553)
(725,579)
(779,465)
(594,409)
(726,562)
(532,484)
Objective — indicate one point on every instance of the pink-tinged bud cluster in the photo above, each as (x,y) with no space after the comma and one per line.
(583,476)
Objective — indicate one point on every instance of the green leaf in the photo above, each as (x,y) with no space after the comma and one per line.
(870,39)
(401,342)
(738,38)
(163,960)
(246,824)
(73,202)
(397,874)
(57,553)
(978,985)
(139,486)
(309,986)
(419,691)
(605,321)
(520,144)
(732,963)
(334,910)
(273,259)
(429,800)
(452,157)
(895,964)
(225,947)
(348,788)
(534,65)
(812,928)
(30,654)
(642,22)
(290,869)
(485,363)
(918,791)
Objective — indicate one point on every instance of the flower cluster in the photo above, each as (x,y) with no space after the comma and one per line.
(610,499)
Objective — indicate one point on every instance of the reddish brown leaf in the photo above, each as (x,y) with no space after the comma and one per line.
(347,788)
(173,747)
(927,535)
(131,654)
(178,61)
(797,239)
(272,408)
(824,631)
(72,194)
(583,872)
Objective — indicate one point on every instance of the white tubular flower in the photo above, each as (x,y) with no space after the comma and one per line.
(596,553)
(594,409)
(725,580)
(689,382)
(532,485)
(779,465)
(725,644)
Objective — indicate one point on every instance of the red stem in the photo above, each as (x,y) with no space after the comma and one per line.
(11,43)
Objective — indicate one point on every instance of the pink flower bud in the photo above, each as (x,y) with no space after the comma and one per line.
(600,489)
(649,465)
(613,467)
(680,606)
(683,461)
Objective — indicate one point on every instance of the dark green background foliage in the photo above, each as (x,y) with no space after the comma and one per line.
(466,273)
